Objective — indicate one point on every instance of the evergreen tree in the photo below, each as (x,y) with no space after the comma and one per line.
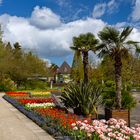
(77,67)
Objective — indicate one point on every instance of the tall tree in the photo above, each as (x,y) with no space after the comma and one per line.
(18,52)
(77,67)
(115,44)
(85,43)
(18,65)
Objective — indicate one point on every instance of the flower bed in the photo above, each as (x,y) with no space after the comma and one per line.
(106,130)
(18,94)
(37,93)
(58,115)
(47,124)
(39,105)
(25,101)
(69,126)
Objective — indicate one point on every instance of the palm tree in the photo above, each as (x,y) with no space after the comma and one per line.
(85,43)
(115,44)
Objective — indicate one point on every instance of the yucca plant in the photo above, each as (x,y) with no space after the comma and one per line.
(82,97)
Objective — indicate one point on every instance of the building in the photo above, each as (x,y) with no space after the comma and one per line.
(52,73)
(63,73)
(60,74)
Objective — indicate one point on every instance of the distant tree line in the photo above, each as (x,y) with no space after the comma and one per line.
(17,66)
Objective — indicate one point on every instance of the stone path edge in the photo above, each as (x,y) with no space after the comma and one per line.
(34,117)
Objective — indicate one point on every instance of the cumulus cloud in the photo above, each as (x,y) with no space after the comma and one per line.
(50,39)
(44,18)
(47,61)
(121,24)
(102,8)
(135,35)
(136,11)
(47,35)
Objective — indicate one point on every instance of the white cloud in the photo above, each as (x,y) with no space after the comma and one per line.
(1,2)
(99,10)
(47,61)
(111,3)
(135,35)
(76,15)
(102,8)
(47,41)
(121,24)
(50,41)
(63,3)
(136,11)
(44,18)
(111,6)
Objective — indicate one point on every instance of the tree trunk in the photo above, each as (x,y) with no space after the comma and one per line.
(85,63)
(118,80)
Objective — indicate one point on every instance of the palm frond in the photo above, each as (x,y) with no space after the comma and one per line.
(109,34)
(103,53)
(125,33)
(135,44)
(100,46)
(138,49)
(85,42)
(131,42)
(115,42)
(73,48)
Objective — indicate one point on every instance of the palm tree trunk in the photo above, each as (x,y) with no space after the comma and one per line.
(118,80)
(85,63)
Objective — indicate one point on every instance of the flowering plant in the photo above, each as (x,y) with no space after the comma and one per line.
(41,93)
(25,101)
(81,128)
(106,130)
(17,93)
(58,115)
(39,105)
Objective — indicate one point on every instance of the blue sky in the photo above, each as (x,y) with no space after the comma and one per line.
(47,26)
(68,9)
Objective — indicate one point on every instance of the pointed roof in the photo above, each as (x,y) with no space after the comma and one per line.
(53,70)
(64,68)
